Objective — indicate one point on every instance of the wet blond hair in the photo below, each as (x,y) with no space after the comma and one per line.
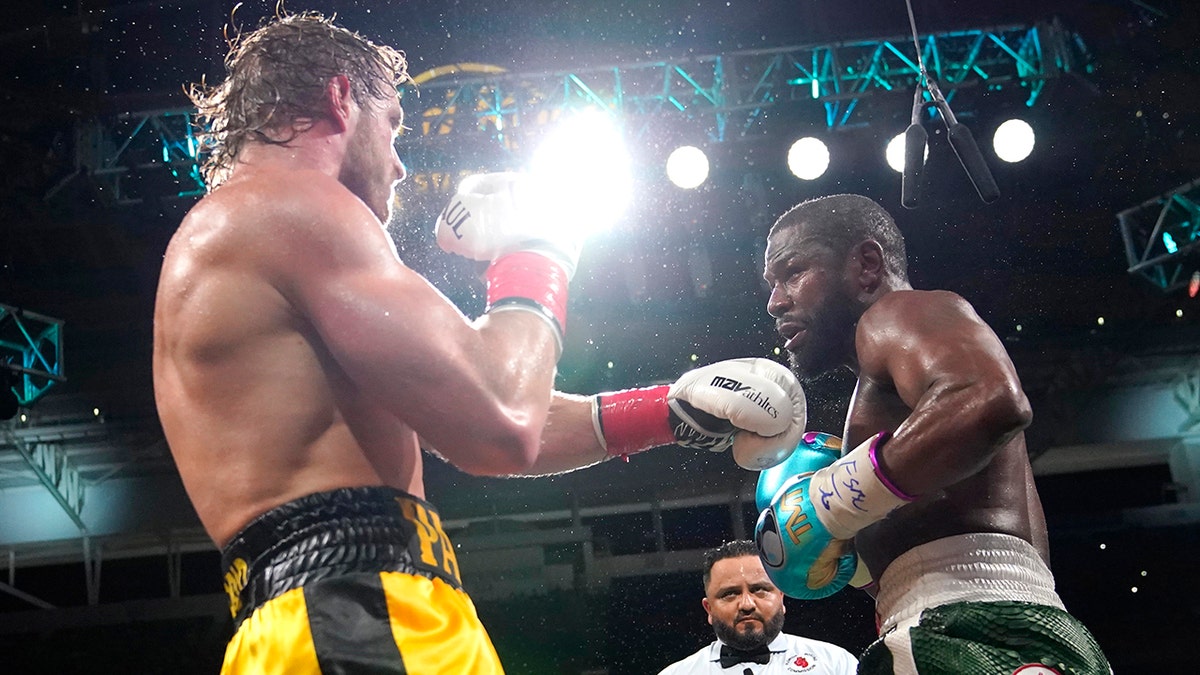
(276,76)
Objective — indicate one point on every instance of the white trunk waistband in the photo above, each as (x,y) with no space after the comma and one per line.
(977,567)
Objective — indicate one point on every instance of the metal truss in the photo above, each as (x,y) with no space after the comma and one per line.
(1162,237)
(732,92)
(31,348)
(136,156)
(57,474)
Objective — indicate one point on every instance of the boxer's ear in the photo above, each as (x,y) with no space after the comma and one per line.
(339,102)
(865,268)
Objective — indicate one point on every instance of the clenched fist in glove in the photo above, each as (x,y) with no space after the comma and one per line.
(498,217)
(804,533)
(494,214)
(754,405)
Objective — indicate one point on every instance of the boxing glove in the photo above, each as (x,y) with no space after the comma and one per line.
(815,451)
(804,535)
(799,555)
(495,214)
(754,405)
(494,217)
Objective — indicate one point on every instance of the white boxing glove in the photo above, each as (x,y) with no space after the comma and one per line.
(756,405)
(769,409)
(494,214)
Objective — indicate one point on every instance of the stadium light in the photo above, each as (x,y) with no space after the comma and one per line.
(808,158)
(1013,140)
(894,153)
(583,167)
(687,167)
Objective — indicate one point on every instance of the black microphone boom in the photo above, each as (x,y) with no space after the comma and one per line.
(914,163)
(960,139)
(972,161)
(914,154)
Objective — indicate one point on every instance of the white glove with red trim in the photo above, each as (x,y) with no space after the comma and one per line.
(754,405)
(494,214)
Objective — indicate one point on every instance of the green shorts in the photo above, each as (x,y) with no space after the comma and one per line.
(987,638)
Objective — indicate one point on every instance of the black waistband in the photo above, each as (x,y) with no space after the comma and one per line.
(343,531)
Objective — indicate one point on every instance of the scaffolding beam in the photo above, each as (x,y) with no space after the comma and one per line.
(56,473)
(152,155)
(1162,237)
(31,348)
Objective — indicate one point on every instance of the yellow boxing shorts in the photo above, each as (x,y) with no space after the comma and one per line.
(355,580)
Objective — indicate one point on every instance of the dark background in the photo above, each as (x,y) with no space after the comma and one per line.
(1047,257)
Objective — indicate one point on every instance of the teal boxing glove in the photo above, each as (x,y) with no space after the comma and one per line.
(799,554)
(805,534)
(816,450)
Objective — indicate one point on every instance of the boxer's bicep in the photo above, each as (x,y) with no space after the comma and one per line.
(928,346)
(405,346)
(952,373)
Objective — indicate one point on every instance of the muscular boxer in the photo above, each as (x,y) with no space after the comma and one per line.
(299,366)
(934,487)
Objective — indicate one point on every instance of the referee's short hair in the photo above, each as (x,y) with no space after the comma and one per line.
(730,549)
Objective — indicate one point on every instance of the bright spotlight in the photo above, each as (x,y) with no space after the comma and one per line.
(895,153)
(582,168)
(1013,140)
(808,158)
(687,167)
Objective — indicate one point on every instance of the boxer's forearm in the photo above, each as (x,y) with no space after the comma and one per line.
(569,439)
(703,409)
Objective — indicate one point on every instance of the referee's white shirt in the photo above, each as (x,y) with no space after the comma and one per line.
(789,654)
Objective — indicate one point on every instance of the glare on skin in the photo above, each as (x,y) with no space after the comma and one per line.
(744,608)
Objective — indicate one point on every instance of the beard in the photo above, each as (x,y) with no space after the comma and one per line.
(362,173)
(830,340)
(750,639)
(388,211)
(376,194)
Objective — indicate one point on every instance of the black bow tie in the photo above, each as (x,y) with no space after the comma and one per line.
(730,657)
